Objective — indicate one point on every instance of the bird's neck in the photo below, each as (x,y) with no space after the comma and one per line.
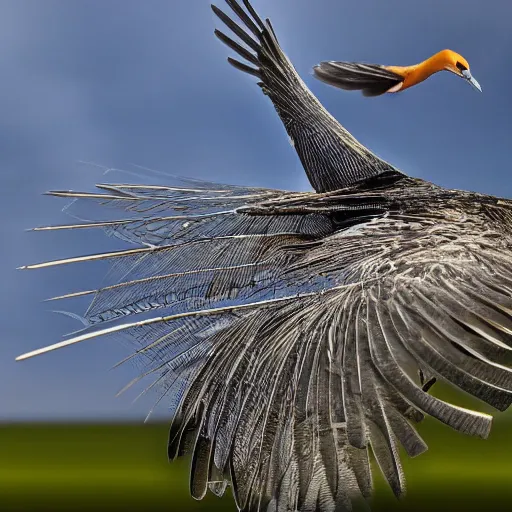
(428,67)
(437,62)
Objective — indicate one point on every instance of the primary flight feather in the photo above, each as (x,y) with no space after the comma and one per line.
(293,332)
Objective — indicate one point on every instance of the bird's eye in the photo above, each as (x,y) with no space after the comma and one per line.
(461,66)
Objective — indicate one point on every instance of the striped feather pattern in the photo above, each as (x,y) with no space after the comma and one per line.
(291,334)
(286,357)
(331,157)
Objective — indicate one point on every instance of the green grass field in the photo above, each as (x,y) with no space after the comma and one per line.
(124,467)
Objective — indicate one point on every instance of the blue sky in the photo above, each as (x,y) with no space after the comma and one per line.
(146,83)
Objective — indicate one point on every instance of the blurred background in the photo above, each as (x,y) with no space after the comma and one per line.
(145,83)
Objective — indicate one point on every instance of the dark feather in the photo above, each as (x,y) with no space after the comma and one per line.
(371,79)
(291,333)
(331,157)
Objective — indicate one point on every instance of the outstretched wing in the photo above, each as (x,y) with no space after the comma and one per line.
(371,79)
(292,332)
(331,157)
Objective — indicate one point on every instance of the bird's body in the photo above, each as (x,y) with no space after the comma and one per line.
(375,80)
(292,332)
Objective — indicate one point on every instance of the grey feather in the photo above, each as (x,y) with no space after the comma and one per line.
(289,334)
(371,79)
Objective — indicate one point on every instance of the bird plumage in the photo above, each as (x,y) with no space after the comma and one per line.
(290,333)
(370,79)
(331,157)
(376,79)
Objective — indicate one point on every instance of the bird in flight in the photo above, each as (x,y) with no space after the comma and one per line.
(293,332)
(375,80)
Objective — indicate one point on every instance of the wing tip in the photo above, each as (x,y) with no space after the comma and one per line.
(32,353)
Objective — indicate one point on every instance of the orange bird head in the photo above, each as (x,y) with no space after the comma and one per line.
(452,61)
